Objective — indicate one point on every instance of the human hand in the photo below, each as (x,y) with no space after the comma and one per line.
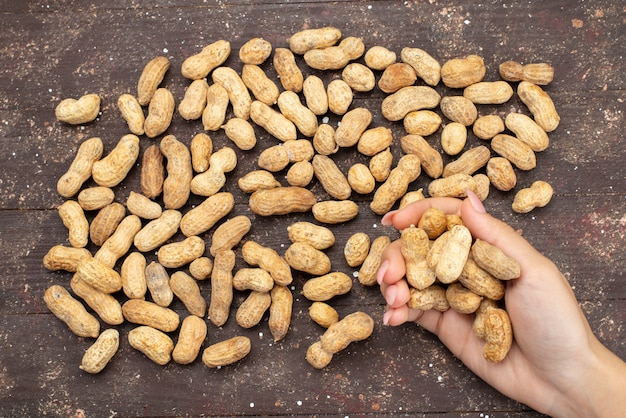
(554,357)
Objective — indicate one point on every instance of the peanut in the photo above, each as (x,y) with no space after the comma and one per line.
(158,282)
(204,216)
(142,206)
(432,297)
(94,198)
(305,40)
(259,84)
(462,72)
(498,335)
(330,58)
(481,185)
(407,170)
(493,260)
(100,353)
(367,272)
(469,162)
(256,180)
(292,108)
(459,109)
(201,268)
(60,257)
(527,131)
(280,312)
(274,158)
(132,113)
(281,201)
(304,257)
(319,237)
(156,232)
(160,113)
(226,352)
(150,314)
(540,105)
(238,93)
(299,150)
(379,58)
(453,138)
(324,140)
(78,111)
(290,75)
(119,242)
(537,195)
(354,327)
(193,103)
(480,282)
(361,179)
(396,76)
(353,46)
(423,122)
(300,174)
(537,73)
(106,222)
(71,312)
(268,259)
(154,344)
(323,314)
(436,249)
(255,279)
(315,95)
(426,67)
(221,287)
(434,222)
(255,51)
(409,99)
(186,289)
(430,158)
(486,127)
(79,171)
(340,96)
(217,100)
(178,254)
(133,274)
(326,287)
(74,219)
(461,299)
(193,331)
(356,249)
(211,181)
(229,234)
(335,211)
(330,176)
(201,148)
(410,197)
(98,275)
(414,247)
(488,92)
(454,254)
(501,173)
(152,172)
(106,306)
(112,169)
(177,184)
(479,319)
(374,140)
(151,76)
(359,77)
(454,185)
(272,121)
(514,150)
(353,124)
(198,66)
(252,309)
(241,132)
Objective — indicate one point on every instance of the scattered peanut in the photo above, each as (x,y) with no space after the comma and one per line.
(94,198)
(304,257)
(152,172)
(281,201)
(198,66)
(78,111)
(221,287)
(106,306)
(112,169)
(160,113)
(335,211)
(226,352)
(178,254)
(79,171)
(151,76)
(154,344)
(158,282)
(74,219)
(177,184)
(252,309)
(71,311)
(280,312)
(537,195)
(106,222)
(323,314)
(317,236)
(367,272)
(186,289)
(150,314)
(100,353)
(193,331)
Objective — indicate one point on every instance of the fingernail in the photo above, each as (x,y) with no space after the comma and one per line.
(380,275)
(386,317)
(386,220)
(391,294)
(475,201)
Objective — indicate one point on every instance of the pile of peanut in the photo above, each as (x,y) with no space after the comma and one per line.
(171,171)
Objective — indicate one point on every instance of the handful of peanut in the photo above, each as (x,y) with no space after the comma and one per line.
(111,242)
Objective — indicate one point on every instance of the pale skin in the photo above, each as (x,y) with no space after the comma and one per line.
(556,365)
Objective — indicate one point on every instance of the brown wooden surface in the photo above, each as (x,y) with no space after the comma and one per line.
(57,49)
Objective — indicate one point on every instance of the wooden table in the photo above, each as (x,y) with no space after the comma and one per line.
(53,50)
